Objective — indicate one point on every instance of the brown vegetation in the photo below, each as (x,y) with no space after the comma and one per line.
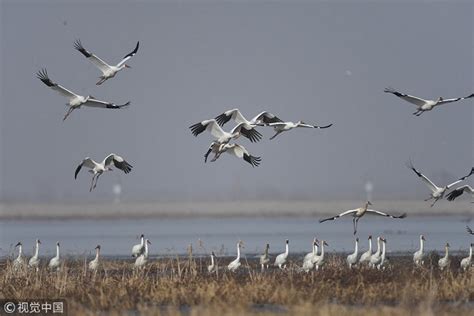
(173,286)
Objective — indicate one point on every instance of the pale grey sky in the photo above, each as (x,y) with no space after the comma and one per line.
(319,62)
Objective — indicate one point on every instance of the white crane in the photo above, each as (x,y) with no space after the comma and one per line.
(419,255)
(309,259)
(383,259)
(280,127)
(469,230)
(35,261)
(19,262)
(143,258)
(421,104)
(458,191)
(97,169)
(375,258)
(444,262)
(359,212)
(76,101)
(310,255)
(265,258)
(319,260)
(466,262)
(139,248)
(94,264)
(234,265)
(238,151)
(263,118)
(280,260)
(365,257)
(224,137)
(107,70)
(212,267)
(352,258)
(55,262)
(436,192)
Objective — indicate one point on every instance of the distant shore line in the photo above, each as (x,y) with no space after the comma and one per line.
(220,209)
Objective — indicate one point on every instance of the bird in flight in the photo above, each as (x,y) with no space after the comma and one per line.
(436,192)
(359,212)
(423,105)
(98,168)
(107,70)
(76,101)
(280,127)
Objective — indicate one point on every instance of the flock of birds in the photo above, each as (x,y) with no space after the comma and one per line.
(313,260)
(225,142)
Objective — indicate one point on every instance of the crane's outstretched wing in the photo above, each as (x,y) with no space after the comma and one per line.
(459,191)
(427,181)
(265,118)
(231,114)
(455,99)
(43,76)
(94,103)
(385,214)
(99,63)
(247,131)
(240,152)
(118,162)
(460,179)
(209,125)
(409,98)
(469,230)
(87,162)
(128,56)
(337,216)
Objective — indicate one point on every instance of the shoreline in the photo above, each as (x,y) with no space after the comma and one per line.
(65,211)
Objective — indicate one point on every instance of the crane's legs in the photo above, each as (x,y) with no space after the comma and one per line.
(354,221)
(68,112)
(276,134)
(92,182)
(101,81)
(96,179)
(436,200)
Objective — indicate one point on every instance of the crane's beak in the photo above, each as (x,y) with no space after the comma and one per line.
(127,66)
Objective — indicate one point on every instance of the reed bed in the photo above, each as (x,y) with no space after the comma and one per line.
(173,286)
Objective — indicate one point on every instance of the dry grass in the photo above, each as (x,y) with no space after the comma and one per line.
(182,285)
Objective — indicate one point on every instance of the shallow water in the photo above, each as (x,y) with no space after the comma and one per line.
(170,236)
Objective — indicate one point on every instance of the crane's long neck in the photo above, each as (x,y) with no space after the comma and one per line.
(212,260)
(287,248)
(97,253)
(316,248)
(20,251)
(57,251)
(378,247)
(447,252)
(322,249)
(470,253)
(238,251)
(421,245)
(356,249)
(266,252)
(370,245)
(383,249)
(37,250)
(146,249)
(142,241)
